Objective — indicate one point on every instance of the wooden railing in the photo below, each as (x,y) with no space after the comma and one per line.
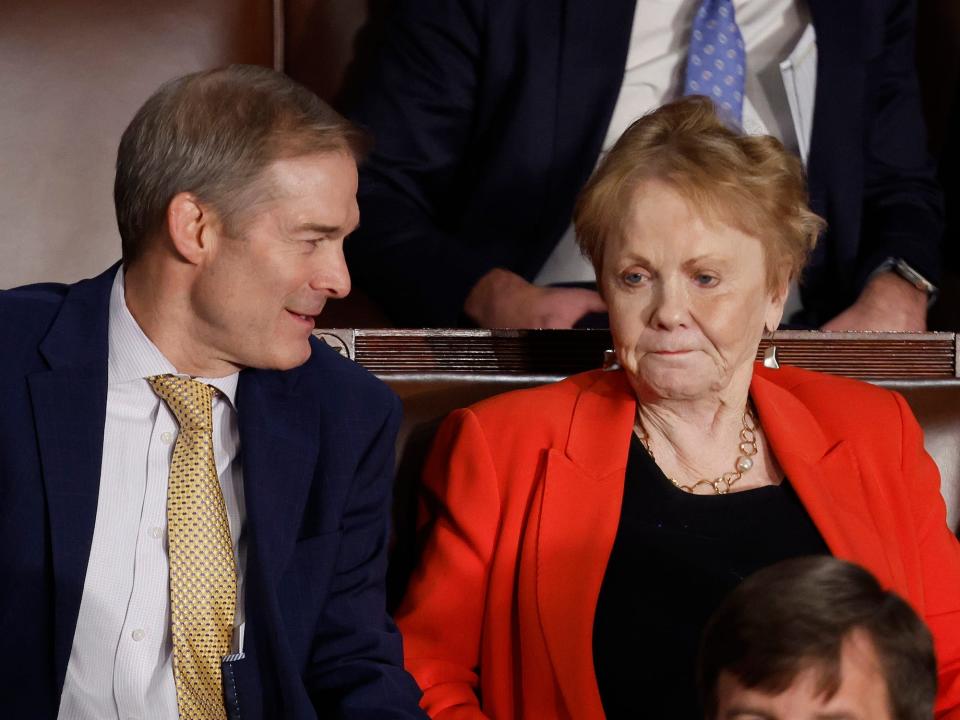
(873,356)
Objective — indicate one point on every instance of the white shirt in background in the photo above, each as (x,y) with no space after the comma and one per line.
(654,74)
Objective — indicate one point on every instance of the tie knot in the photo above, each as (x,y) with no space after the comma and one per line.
(190,401)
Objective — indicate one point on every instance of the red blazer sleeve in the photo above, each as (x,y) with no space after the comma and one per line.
(442,613)
(938,554)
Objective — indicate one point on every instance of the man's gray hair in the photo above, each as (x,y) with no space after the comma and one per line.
(213,133)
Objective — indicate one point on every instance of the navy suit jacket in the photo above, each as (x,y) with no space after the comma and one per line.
(317,452)
(489,116)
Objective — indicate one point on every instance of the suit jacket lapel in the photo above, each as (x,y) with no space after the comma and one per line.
(279,434)
(69,406)
(827,479)
(280,456)
(582,496)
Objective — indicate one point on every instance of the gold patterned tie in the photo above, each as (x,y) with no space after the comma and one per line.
(203,576)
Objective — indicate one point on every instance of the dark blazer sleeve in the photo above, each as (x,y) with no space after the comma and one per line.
(420,104)
(356,667)
(902,204)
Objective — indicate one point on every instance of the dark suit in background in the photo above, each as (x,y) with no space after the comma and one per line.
(317,449)
(490,114)
(946,313)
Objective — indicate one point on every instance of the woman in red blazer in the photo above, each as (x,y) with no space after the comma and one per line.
(581,533)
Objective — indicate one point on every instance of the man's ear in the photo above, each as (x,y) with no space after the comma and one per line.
(191,227)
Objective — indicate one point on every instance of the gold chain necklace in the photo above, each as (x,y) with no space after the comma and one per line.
(721,485)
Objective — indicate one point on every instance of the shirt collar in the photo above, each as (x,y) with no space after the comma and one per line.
(132,356)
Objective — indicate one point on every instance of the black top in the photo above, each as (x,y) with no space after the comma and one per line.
(674,558)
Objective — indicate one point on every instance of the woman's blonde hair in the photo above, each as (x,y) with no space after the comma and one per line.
(749,182)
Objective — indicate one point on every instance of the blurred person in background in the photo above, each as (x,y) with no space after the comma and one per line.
(490,115)
(813,638)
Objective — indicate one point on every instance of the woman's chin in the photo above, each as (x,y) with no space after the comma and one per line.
(676,377)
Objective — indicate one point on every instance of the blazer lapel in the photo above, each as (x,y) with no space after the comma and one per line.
(827,479)
(582,496)
(69,406)
(280,456)
(279,444)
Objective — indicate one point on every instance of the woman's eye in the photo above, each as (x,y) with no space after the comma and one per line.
(634,278)
(705,280)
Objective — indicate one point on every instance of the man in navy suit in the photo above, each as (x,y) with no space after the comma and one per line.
(235,189)
(489,116)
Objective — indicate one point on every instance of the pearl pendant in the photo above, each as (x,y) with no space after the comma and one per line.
(744,463)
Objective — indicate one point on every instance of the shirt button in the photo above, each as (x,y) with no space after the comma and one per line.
(156,532)
(138,635)
(166,437)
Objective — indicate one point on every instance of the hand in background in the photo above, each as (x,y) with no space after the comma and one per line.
(502,299)
(888,302)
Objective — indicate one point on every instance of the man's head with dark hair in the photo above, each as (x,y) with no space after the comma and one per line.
(816,632)
(213,134)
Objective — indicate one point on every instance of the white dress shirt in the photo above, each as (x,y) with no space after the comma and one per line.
(654,75)
(121,661)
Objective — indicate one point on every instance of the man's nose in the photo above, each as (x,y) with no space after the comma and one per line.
(331,275)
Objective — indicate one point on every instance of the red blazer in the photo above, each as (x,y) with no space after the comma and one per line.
(524,491)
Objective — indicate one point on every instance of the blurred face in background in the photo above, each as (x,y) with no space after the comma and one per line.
(862,694)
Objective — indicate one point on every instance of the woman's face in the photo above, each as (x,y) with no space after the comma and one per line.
(688,297)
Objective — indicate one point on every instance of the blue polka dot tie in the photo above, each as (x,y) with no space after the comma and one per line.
(717,61)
